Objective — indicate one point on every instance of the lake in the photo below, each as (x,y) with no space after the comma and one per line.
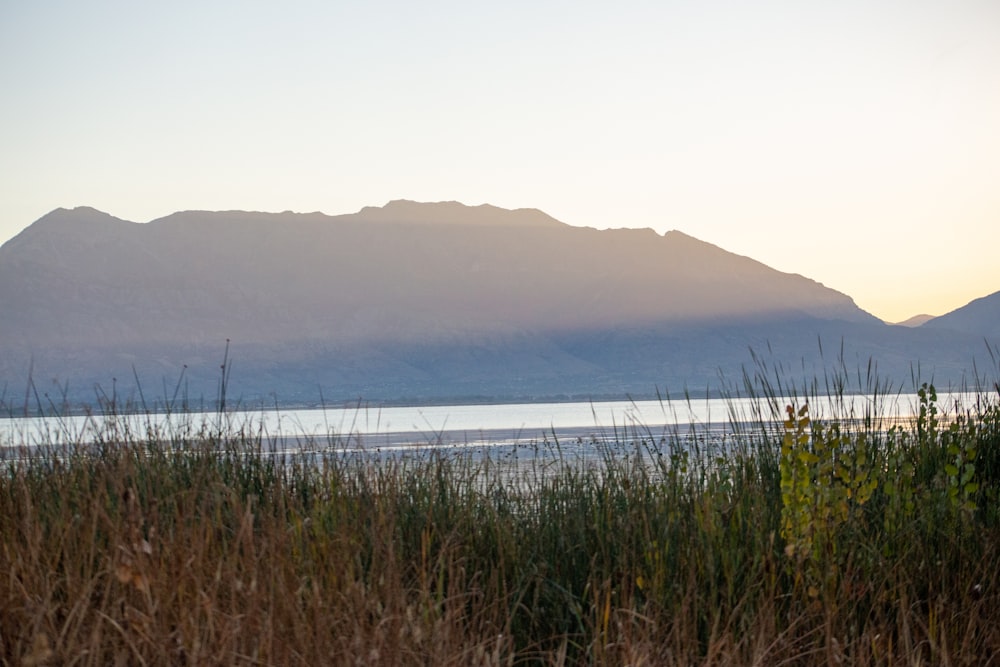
(367,426)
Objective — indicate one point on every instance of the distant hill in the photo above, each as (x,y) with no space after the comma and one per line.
(409,301)
(980,317)
(915,321)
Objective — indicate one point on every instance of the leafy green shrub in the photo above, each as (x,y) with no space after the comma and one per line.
(825,477)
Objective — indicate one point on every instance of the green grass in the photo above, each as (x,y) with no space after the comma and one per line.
(839,541)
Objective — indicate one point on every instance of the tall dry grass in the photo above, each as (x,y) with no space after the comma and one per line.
(142,550)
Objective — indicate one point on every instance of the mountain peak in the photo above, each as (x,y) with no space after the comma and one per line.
(915,321)
(64,227)
(405,211)
(77,214)
(678,234)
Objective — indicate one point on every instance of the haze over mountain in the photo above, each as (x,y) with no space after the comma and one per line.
(412,301)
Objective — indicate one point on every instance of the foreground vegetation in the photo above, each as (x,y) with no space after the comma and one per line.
(846,540)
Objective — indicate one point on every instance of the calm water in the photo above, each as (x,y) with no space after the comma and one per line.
(369,426)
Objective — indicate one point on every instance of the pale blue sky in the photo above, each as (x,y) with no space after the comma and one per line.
(854,142)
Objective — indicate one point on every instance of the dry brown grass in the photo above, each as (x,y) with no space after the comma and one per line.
(216,553)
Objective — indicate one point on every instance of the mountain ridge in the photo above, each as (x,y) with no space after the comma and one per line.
(408,299)
(979,316)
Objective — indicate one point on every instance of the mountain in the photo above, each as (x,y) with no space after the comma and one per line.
(980,317)
(407,270)
(410,301)
(915,321)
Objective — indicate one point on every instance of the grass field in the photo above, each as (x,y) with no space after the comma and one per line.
(847,540)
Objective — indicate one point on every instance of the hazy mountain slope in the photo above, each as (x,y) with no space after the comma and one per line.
(404,271)
(408,300)
(981,317)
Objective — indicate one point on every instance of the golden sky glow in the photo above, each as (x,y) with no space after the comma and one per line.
(856,142)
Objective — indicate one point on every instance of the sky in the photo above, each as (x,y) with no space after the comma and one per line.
(856,142)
